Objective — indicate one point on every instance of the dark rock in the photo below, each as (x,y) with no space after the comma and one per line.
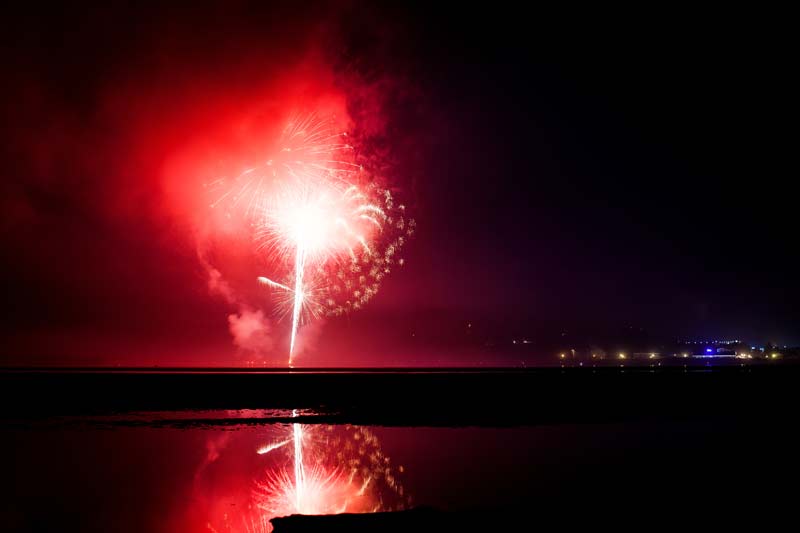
(411,521)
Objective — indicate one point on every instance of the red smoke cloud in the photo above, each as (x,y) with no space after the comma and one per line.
(238,140)
(252,332)
(233,140)
(117,258)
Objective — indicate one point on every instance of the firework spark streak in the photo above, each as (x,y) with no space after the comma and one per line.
(299,465)
(272,446)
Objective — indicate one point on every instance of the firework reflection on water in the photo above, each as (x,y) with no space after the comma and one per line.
(345,471)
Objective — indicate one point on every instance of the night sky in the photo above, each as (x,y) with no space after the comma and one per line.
(580,172)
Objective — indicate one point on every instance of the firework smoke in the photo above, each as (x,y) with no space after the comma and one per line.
(251,331)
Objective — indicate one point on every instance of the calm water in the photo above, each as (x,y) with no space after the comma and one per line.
(182,471)
(548,444)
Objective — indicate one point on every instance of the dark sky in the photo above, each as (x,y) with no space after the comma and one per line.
(583,171)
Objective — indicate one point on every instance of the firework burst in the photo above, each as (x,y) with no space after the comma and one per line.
(309,148)
(326,232)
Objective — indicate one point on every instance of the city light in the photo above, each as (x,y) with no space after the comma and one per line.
(704,352)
